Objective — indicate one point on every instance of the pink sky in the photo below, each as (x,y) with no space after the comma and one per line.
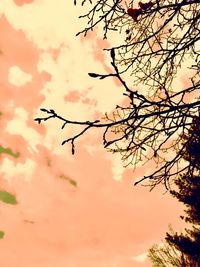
(105,220)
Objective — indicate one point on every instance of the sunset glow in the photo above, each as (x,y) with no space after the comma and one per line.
(72,210)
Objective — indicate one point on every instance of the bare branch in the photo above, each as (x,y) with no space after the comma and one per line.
(162,37)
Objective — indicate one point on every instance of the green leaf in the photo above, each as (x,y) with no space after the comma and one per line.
(7,197)
(71,181)
(2,234)
(9,152)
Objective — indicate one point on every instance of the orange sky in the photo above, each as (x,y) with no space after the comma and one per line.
(105,221)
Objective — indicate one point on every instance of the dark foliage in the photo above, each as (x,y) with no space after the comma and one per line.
(187,244)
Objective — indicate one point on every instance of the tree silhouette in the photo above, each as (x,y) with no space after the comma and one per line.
(186,245)
(161,38)
(167,255)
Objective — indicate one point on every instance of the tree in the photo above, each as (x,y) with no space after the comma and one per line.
(189,194)
(167,255)
(186,245)
(161,36)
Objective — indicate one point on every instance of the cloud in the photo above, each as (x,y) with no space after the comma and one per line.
(117,167)
(50,26)
(141,257)
(18,126)
(17,77)
(12,170)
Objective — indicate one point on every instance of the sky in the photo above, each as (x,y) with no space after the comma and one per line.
(72,210)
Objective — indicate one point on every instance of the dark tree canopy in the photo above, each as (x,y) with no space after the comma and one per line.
(166,255)
(189,194)
(162,38)
(187,244)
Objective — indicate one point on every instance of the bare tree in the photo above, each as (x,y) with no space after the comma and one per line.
(161,37)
